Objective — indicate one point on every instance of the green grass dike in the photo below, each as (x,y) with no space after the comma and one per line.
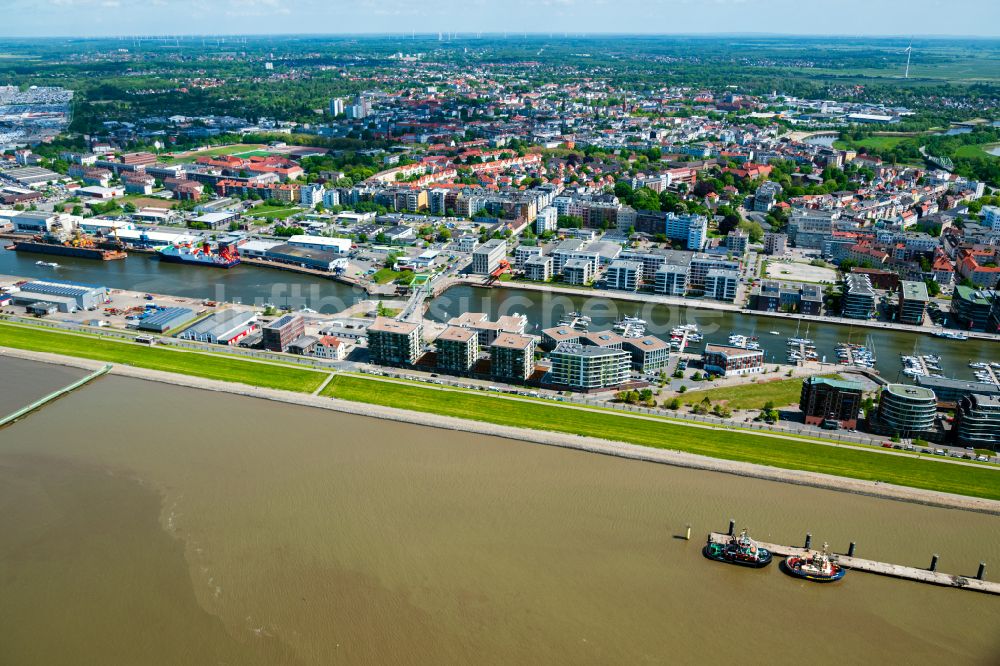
(729,444)
(196,364)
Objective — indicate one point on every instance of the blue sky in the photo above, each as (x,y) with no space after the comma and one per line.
(848,17)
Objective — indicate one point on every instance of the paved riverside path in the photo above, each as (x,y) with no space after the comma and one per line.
(880,568)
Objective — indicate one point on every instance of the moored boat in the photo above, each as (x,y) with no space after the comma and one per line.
(200,255)
(741,550)
(819,567)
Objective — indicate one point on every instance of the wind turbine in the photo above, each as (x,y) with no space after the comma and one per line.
(908,52)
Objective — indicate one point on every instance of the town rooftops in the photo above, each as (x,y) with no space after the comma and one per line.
(458,334)
(513,341)
(602,338)
(562,333)
(584,350)
(731,351)
(282,321)
(388,325)
(835,383)
(914,291)
(468,319)
(908,392)
(648,343)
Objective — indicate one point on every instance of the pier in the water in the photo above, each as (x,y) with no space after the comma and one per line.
(41,402)
(849,561)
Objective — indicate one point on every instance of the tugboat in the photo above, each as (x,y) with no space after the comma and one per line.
(818,567)
(741,550)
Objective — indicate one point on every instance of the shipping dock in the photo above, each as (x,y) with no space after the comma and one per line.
(930,575)
(79,246)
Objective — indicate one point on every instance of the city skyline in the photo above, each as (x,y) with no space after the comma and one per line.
(109,18)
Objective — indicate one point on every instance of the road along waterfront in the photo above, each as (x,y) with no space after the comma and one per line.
(257,531)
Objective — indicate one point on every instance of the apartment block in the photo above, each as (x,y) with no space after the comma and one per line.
(538,268)
(671,280)
(588,368)
(392,342)
(624,275)
(457,349)
(578,272)
(512,356)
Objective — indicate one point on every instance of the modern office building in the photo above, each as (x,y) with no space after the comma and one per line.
(624,275)
(913,298)
(282,332)
(859,297)
(671,280)
(809,228)
(950,391)
(731,361)
(977,421)
(971,308)
(457,349)
(906,410)
(824,401)
(589,368)
(512,357)
(538,268)
(392,342)
(486,258)
(649,354)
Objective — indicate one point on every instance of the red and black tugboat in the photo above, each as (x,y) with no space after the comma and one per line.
(819,567)
(741,550)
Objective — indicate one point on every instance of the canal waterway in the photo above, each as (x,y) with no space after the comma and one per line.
(146,523)
(545,310)
(250,285)
(259,286)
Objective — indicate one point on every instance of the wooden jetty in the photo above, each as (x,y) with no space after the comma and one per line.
(849,561)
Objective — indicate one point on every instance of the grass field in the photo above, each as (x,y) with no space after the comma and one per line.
(750,396)
(235,149)
(208,366)
(140,201)
(976,150)
(730,445)
(871,143)
(384,275)
(273,212)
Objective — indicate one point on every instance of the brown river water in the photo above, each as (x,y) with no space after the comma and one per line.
(150,524)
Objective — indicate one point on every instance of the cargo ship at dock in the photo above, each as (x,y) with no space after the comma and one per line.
(200,255)
(80,247)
